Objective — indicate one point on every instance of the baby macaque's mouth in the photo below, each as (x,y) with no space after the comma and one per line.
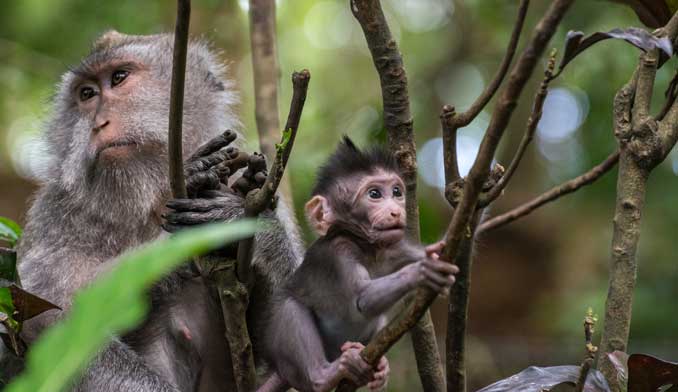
(392,227)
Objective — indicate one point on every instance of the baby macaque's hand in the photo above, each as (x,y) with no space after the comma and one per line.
(380,376)
(380,379)
(435,249)
(353,366)
(434,273)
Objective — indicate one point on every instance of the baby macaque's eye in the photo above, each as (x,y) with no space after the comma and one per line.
(87,93)
(374,193)
(118,76)
(397,192)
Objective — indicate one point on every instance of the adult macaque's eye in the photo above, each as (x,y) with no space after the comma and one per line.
(118,76)
(87,93)
(374,193)
(397,192)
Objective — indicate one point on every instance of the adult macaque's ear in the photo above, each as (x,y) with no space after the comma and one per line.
(319,214)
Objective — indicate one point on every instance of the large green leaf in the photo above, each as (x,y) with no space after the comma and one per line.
(10,231)
(114,304)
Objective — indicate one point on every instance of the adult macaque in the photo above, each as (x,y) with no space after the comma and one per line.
(104,193)
(359,267)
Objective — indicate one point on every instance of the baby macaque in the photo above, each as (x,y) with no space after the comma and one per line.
(350,277)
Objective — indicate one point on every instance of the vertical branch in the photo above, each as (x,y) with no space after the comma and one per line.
(176,160)
(266,72)
(589,324)
(457,314)
(399,127)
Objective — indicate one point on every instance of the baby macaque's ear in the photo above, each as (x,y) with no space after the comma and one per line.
(319,214)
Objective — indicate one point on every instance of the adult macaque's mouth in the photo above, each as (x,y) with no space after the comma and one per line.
(116,144)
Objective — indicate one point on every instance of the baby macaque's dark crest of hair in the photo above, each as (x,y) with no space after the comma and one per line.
(348,160)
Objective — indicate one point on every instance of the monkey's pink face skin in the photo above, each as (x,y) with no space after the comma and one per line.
(382,196)
(103,97)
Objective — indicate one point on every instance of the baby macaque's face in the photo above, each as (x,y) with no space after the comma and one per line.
(380,199)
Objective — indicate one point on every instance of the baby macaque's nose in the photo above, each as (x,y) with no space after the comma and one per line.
(395,213)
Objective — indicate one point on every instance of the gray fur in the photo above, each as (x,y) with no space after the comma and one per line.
(83,217)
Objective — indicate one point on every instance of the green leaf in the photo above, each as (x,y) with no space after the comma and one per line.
(286,136)
(7,307)
(8,264)
(115,303)
(673,5)
(10,231)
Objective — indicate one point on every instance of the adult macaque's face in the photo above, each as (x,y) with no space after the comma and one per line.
(105,98)
(380,197)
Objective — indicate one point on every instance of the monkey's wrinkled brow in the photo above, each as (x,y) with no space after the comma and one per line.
(98,61)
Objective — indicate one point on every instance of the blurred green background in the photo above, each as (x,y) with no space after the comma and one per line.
(532,280)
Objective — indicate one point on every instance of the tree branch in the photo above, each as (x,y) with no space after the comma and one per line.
(459,227)
(176,159)
(451,159)
(643,144)
(589,324)
(399,127)
(532,122)
(266,73)
(260,199)
(457,313)
(465,118)
(552,194)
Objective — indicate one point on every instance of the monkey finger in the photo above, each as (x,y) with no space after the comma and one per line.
(172,228)
(198,205)
(201,181)
(441,266)
(433,286)
(436,247)
(215,144)
(440,280)
(189,218)
(349,345)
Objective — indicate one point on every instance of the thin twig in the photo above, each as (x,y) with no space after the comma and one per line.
(176,160)
(465,118)
(551,195)
(589,324)
(260,199)
(459,227)
(399,128)
(266,73)
(532,122)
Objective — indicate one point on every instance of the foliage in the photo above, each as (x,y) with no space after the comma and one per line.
(115,303)
(9,231)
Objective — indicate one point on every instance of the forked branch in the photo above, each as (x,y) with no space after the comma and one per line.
(260,199)
(465,118)
(552,194)
(532,122)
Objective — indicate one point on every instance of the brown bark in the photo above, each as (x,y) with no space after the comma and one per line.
(176,159)
(399,127)
(457,314)
(266,73)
